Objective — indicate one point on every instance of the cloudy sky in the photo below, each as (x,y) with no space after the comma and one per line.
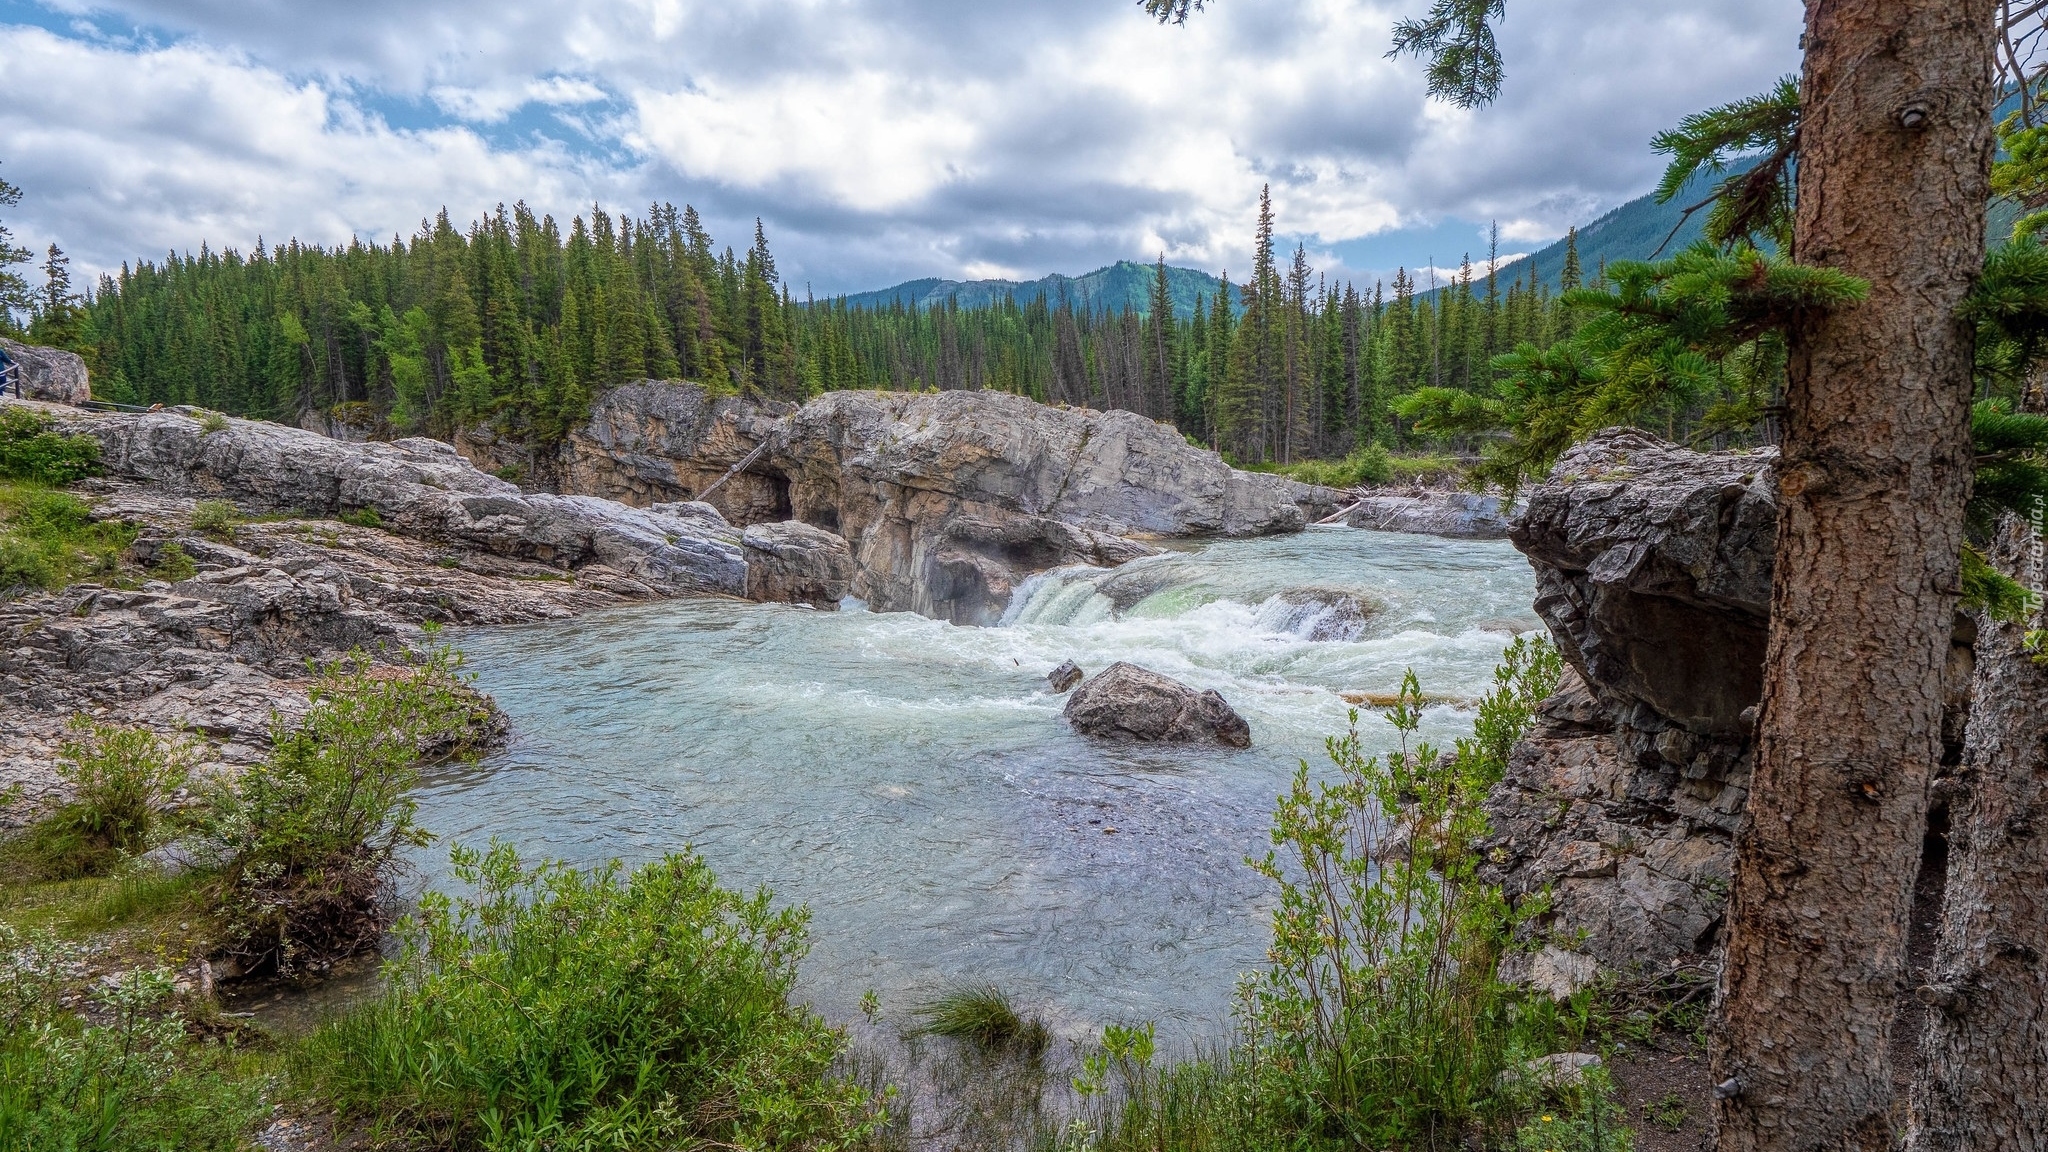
(879,140)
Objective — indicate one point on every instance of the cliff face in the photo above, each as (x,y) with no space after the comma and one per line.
(946,500)
(1653,572)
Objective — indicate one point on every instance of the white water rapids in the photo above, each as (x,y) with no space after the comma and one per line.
(913,782)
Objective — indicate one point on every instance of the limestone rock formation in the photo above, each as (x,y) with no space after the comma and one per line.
(1653,574)
(1458,515)
(947,501)
(1064,677)
(422,488)
(223,650)
(794,563)
(1126,702)
(50,374)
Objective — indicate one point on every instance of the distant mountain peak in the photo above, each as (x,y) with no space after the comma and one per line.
(1126,283)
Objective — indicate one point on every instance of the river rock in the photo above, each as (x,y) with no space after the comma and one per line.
(1320,614)
(49,374)
(947,501)
(1458,515)
(794,563)
(419,487)
(1064,677)
(1126,702)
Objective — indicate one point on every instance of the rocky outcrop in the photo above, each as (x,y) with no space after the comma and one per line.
(1063,678)
(49,374)
(1653,569)
(421,488)
(794,563)
(1126,702)
(1653,573)
(222,651)
(1458,515)
(947,500)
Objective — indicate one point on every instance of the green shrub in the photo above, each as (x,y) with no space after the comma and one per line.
(576,1010)
(362,518)
(132,1082)
(49,539)
(215,518)
(307,842)
(983,1017)
(121,778)
(1379,1021)
(1366,466)
(30,451)
(1425,469)
(173,563)
(211,422)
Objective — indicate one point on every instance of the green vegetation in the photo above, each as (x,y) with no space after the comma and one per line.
(362,518)
(306,842)
(135,1080)
(984,1017)
(173,563)
(1379,1022)
(572,1010)
(30,451)
(121,780)
(49,539)
(215,518)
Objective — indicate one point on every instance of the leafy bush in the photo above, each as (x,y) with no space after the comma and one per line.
(576,1010)
(1379,1021)
(30,451)
(307,842)
(49,539)
(1366,466)
(363,518)
(134,1083)
(215,518)
(121,779)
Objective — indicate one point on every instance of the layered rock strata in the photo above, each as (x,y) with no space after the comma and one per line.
(1456,515)
(421,488)
(946,500)
(222,652)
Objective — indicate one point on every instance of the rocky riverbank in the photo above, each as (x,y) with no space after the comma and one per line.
(1653,572)
(946,501)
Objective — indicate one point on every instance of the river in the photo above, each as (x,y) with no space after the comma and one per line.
(914,784)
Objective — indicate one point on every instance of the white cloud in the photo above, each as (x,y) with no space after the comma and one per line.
(878,139)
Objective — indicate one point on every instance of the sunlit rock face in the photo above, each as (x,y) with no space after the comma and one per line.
(50,374)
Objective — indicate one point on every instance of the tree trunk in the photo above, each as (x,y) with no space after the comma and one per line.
(1895,153)
(1982,1085)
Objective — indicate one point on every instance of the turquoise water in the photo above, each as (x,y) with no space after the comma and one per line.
(913,782)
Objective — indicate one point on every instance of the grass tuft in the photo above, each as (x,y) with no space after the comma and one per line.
(215,518)
(984,1017)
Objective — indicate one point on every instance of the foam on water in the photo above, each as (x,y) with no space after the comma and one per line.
(912,781)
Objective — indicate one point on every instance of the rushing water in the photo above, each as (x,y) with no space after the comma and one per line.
(912,781)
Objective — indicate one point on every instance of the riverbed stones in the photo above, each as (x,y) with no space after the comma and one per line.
(1064,677)
(794,563)
(1126,702)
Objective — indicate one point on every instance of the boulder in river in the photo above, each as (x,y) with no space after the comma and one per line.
(1064,677)
(50,374)
(794,563)
(1126,702)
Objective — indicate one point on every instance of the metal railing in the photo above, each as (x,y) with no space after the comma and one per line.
(11,374)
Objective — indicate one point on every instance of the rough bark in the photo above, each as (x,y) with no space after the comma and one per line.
(1982,1084)
(1893,180)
